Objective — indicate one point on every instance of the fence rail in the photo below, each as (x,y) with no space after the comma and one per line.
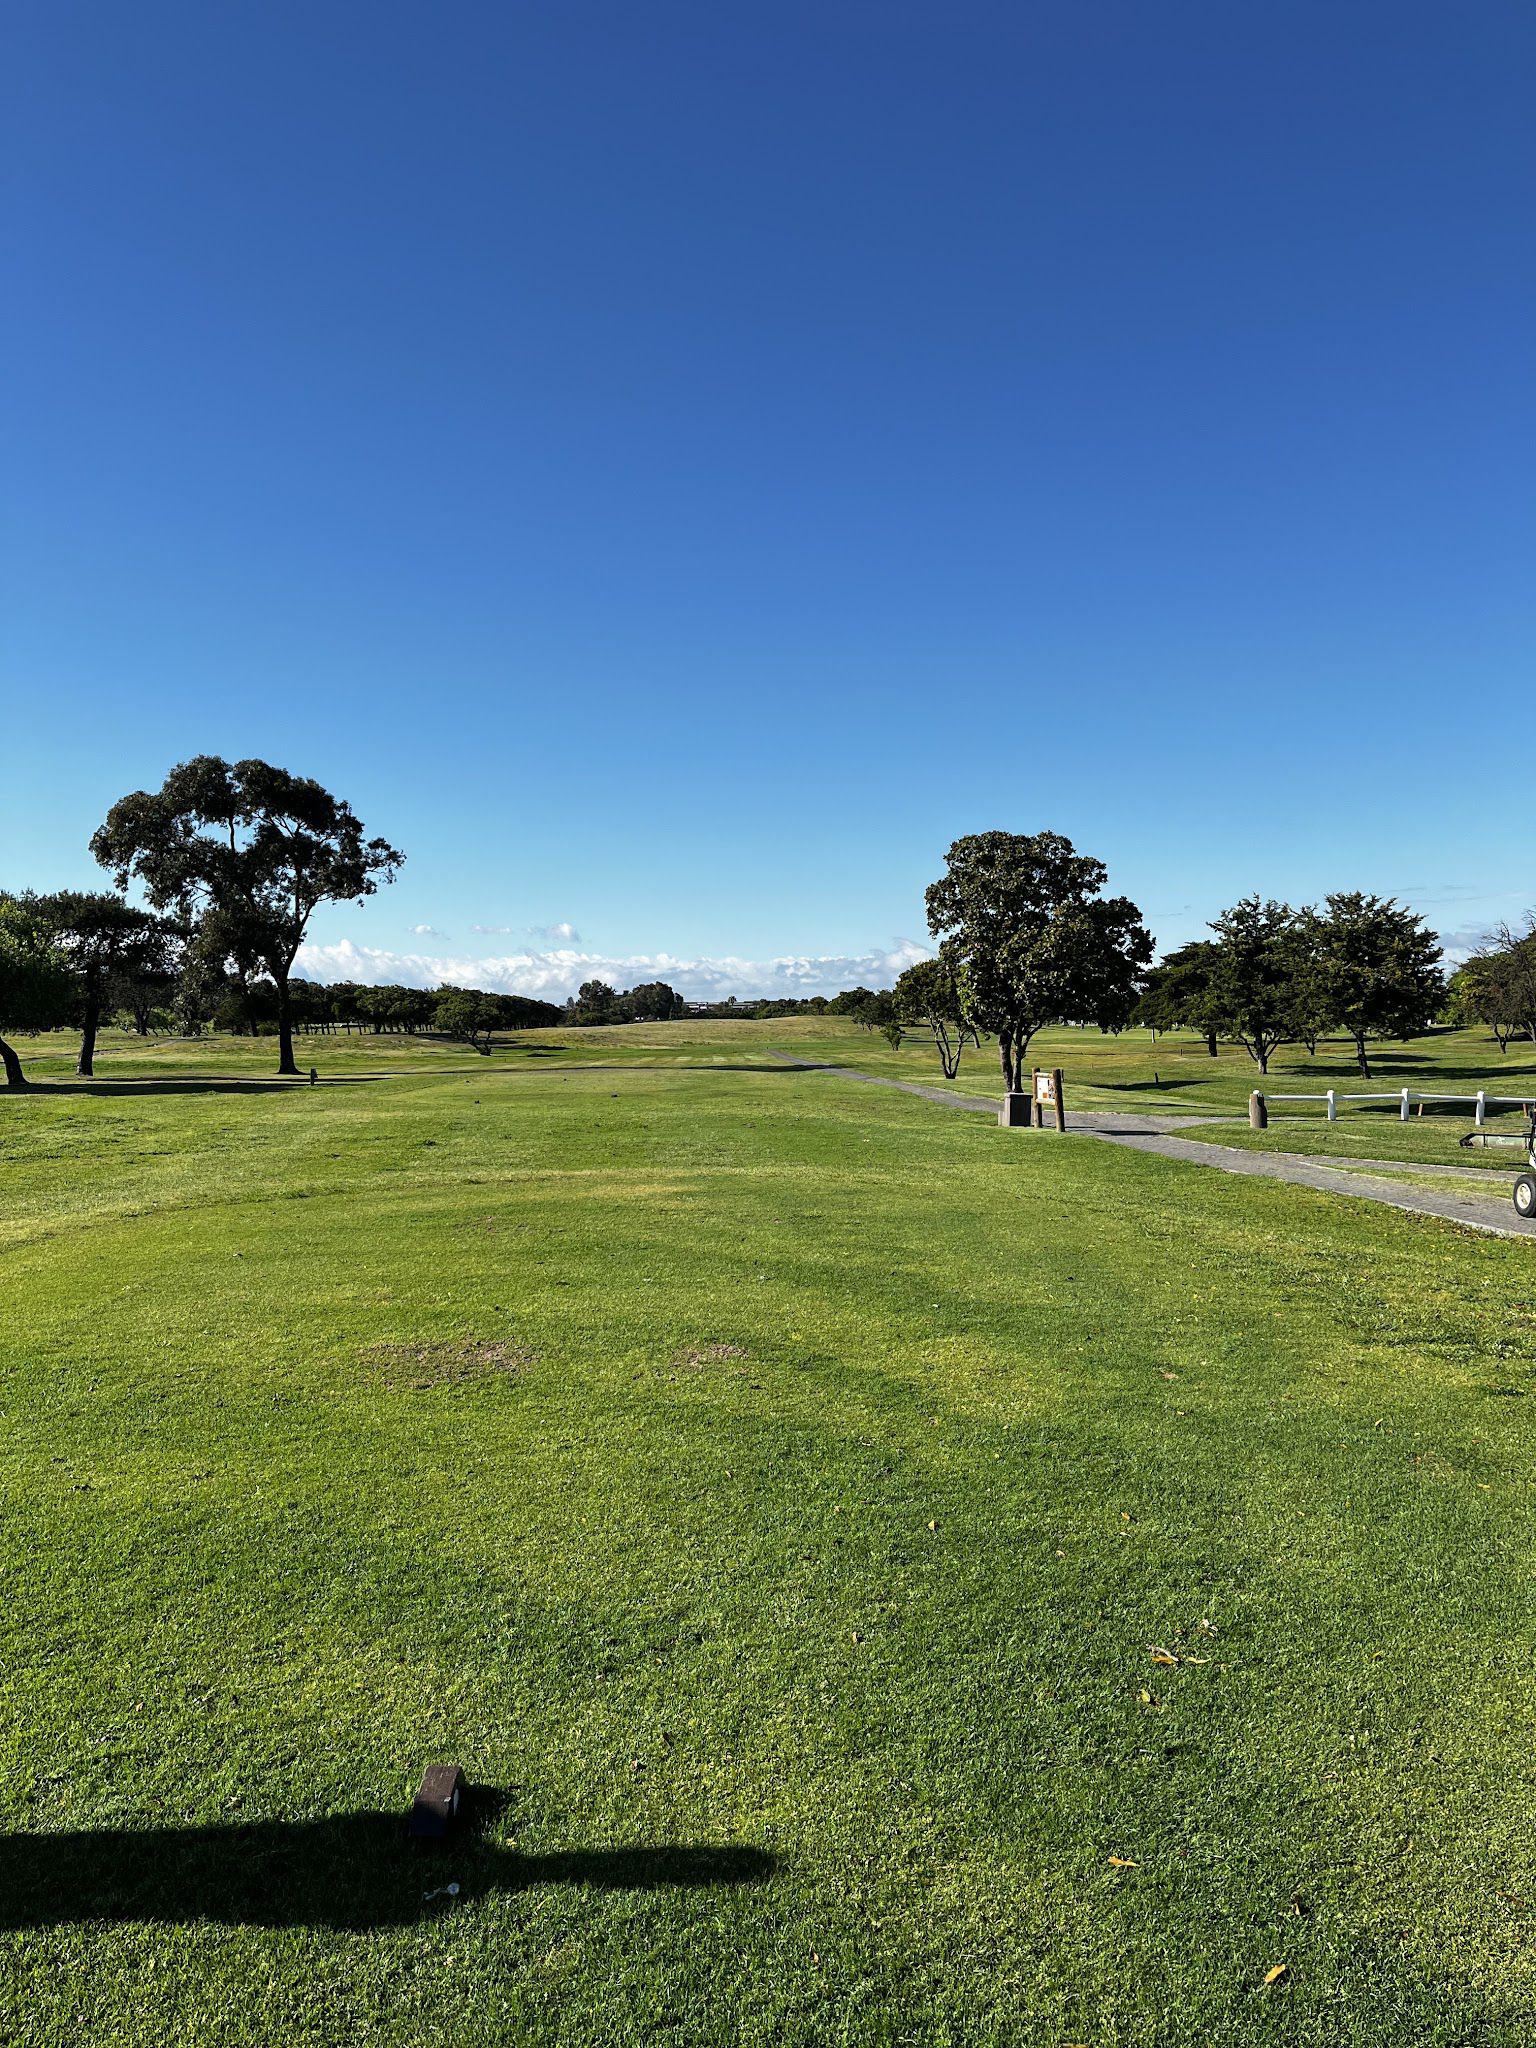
(1482,1102)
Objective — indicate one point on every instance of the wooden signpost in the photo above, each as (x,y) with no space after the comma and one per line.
(1045,1093)
(1049,1094)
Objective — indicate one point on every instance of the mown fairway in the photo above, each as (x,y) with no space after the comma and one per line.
(908,1582)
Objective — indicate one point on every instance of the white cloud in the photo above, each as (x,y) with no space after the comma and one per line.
(427,931)
(562,934)
(557,972)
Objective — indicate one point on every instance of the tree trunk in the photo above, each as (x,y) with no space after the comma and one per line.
(14,1077)
(1005,1058)
(1020,1054)
(1210,1045)
(1365,1065)
(90,1023)
(286,1064)
(1263,1059)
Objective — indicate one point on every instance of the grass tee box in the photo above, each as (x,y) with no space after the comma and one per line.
(891,1583)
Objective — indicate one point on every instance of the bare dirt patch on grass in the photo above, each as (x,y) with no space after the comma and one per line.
(698,1355)
(446,1363)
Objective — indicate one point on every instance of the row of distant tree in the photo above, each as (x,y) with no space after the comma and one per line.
(233,859)
(1268,975)
(596,1002)
(1026,938)
(1359,966)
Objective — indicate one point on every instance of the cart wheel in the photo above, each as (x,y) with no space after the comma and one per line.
(1525,1195)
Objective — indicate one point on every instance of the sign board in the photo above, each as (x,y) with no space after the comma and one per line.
(1048,1093)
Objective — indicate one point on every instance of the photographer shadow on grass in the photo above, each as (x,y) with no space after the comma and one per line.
(350,1871)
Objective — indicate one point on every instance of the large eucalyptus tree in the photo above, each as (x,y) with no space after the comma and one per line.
(248,852)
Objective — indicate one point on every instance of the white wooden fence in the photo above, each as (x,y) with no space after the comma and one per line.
(1481,1102)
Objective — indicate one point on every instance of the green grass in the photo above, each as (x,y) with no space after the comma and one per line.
(777,1488)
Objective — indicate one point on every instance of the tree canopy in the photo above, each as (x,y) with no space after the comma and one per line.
(1031,940)
(111,946)
(926,994)
(654,1001)
(37,991)
(595,1002)
(1253,970)
(1177,993)
(249,852)
(1377,968)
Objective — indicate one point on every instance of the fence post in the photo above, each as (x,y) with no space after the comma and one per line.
(1480,1113)
(1404,1117)
(1333,1106)
(1258,1112)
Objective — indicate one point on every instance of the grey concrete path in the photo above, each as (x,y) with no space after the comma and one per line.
(1486,1209)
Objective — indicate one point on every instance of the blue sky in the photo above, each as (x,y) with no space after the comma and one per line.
(676,467)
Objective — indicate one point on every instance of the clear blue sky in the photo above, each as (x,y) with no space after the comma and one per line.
(675,466)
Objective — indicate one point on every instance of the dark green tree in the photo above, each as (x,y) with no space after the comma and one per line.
(37,990)
(1254,968)
(926,995)
(247,1006)
(200,985)
(1312,1008)
(1031,940)
(878,1010)
(143,988)
(249,851)
(1503,974)
(346,1004)
(1485,990)
(1177,993)
(468,1014)
(525,1013)
(416,1005)
(594,1003)
(1379,969)
(109,945)
(655,1001)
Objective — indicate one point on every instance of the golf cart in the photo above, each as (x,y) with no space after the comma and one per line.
(1524,1190)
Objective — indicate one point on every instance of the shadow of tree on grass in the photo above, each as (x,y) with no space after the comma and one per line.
(351,1870)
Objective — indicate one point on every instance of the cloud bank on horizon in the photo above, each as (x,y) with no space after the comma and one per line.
(558,972)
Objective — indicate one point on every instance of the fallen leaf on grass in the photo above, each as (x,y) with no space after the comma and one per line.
(1122,1863)
(1162,1656)
(1273,1976)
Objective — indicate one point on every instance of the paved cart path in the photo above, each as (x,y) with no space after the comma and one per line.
(1479,1208)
